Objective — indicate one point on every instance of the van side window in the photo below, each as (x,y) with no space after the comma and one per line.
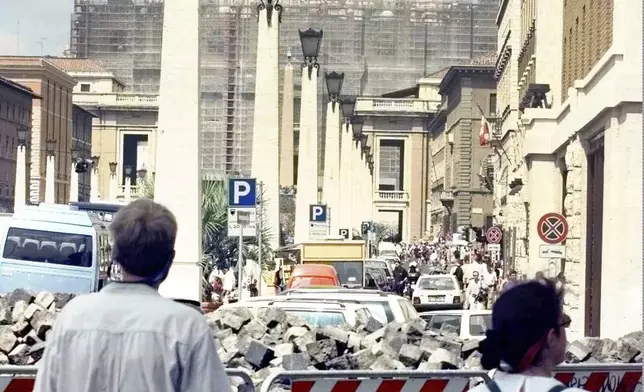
(40,246)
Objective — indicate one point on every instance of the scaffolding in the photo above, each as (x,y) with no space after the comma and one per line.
(381,46)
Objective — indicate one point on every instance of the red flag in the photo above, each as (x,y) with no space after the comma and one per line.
(484,133)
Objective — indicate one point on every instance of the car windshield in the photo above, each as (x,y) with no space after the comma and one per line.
(480,323)
(48,247)
(437,283)
(319,318)
(437,321)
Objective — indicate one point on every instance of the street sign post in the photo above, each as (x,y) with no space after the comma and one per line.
(344,233)
(242,198)
(318,227)
(494,235)
(552,228)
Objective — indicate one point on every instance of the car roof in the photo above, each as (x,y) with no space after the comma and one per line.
(459,312)
(311,290)
(324,304)
(436,276)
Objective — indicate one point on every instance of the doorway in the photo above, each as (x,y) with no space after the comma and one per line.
(594,213)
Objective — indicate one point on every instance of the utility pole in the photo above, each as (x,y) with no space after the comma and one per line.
(243,218)
(42,45)
(18,38)
(260,226)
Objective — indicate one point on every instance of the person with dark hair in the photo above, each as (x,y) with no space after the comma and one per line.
(511,282)
(126,337)
(527,340)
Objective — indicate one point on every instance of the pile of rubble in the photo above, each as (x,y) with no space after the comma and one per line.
(25,321)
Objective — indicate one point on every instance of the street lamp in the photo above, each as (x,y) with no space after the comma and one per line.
(269,6)
(95,159)
(142,173)
(311,40)
(50,146)
(75,154)
(113,168)
(357,123)
(334,86)
(22,136)
(128,171)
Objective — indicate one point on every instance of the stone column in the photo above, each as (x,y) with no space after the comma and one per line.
(345,212)
(307,168)
(50,180)
(127,193)
(265,165)
(331,189)
(114,187)
(94,195)
(178,186)
(356,177)
(287,154)
(20,195)
(73,186)
(545,195)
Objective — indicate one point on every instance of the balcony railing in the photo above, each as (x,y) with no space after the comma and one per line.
(398,105)
(394,196)
(446,197)
(117,99)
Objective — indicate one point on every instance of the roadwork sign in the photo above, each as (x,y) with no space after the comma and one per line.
(552,228)
(494,235)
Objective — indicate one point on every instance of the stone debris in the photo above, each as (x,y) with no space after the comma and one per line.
(267,340)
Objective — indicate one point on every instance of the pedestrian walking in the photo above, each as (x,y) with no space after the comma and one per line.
(127,338)
(527,340)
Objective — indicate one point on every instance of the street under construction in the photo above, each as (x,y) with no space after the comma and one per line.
(381,46)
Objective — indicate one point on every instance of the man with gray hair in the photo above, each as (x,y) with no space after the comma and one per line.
(127,337)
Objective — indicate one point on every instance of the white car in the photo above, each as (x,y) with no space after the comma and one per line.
(438,292)
(470,324)
(384,307)
(320,314)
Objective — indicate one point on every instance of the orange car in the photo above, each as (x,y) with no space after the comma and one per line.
(309,275)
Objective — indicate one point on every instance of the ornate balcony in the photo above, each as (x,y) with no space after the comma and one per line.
(391,196)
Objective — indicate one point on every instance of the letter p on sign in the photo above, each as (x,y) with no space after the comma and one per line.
(241,192)
(317,213)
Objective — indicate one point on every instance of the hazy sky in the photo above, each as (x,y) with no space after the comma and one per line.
(38,19)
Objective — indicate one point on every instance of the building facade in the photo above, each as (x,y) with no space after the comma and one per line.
(396,124)
(460,181)
(15,112)
(82,144)
(124,127)
(51,120)
(570,90)
(378,46)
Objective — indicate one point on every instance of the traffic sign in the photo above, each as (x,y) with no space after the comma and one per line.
(318,231)
(344,233)
(235,226)
(494,247)
(317,213)
(494,235)
(365,227)
(242,192)
(552,228)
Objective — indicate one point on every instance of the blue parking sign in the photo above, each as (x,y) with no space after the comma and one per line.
(242,192)
(317,213)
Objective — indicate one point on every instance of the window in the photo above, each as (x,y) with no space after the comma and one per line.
(479,324)
(85,87)
(450,319)
(492,105)
(349,272)
(391,165)
(319,319)
(48,247)
(437,283)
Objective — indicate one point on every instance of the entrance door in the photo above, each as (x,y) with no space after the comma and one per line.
(594,213)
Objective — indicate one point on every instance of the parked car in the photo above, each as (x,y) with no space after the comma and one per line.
(317,313)
(438,292)
(307,275)
(470,324)
(385,307)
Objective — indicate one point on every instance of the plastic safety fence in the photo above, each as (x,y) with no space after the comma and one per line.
(375,381)
(625,377)
(22,379)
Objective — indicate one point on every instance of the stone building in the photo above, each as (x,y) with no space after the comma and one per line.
(569,97)
(15,112)
(51,119)
(397,127)
(459,184)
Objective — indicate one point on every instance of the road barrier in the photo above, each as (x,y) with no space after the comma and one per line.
(592,378)
(370,381)
(22,379)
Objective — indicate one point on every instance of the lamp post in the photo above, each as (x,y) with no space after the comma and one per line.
(94,194)
(265,161)
(113,181)
(20,191)
(347,104)
(128,184)
(307,171)
(74,183)
(50,171)
(331,190)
